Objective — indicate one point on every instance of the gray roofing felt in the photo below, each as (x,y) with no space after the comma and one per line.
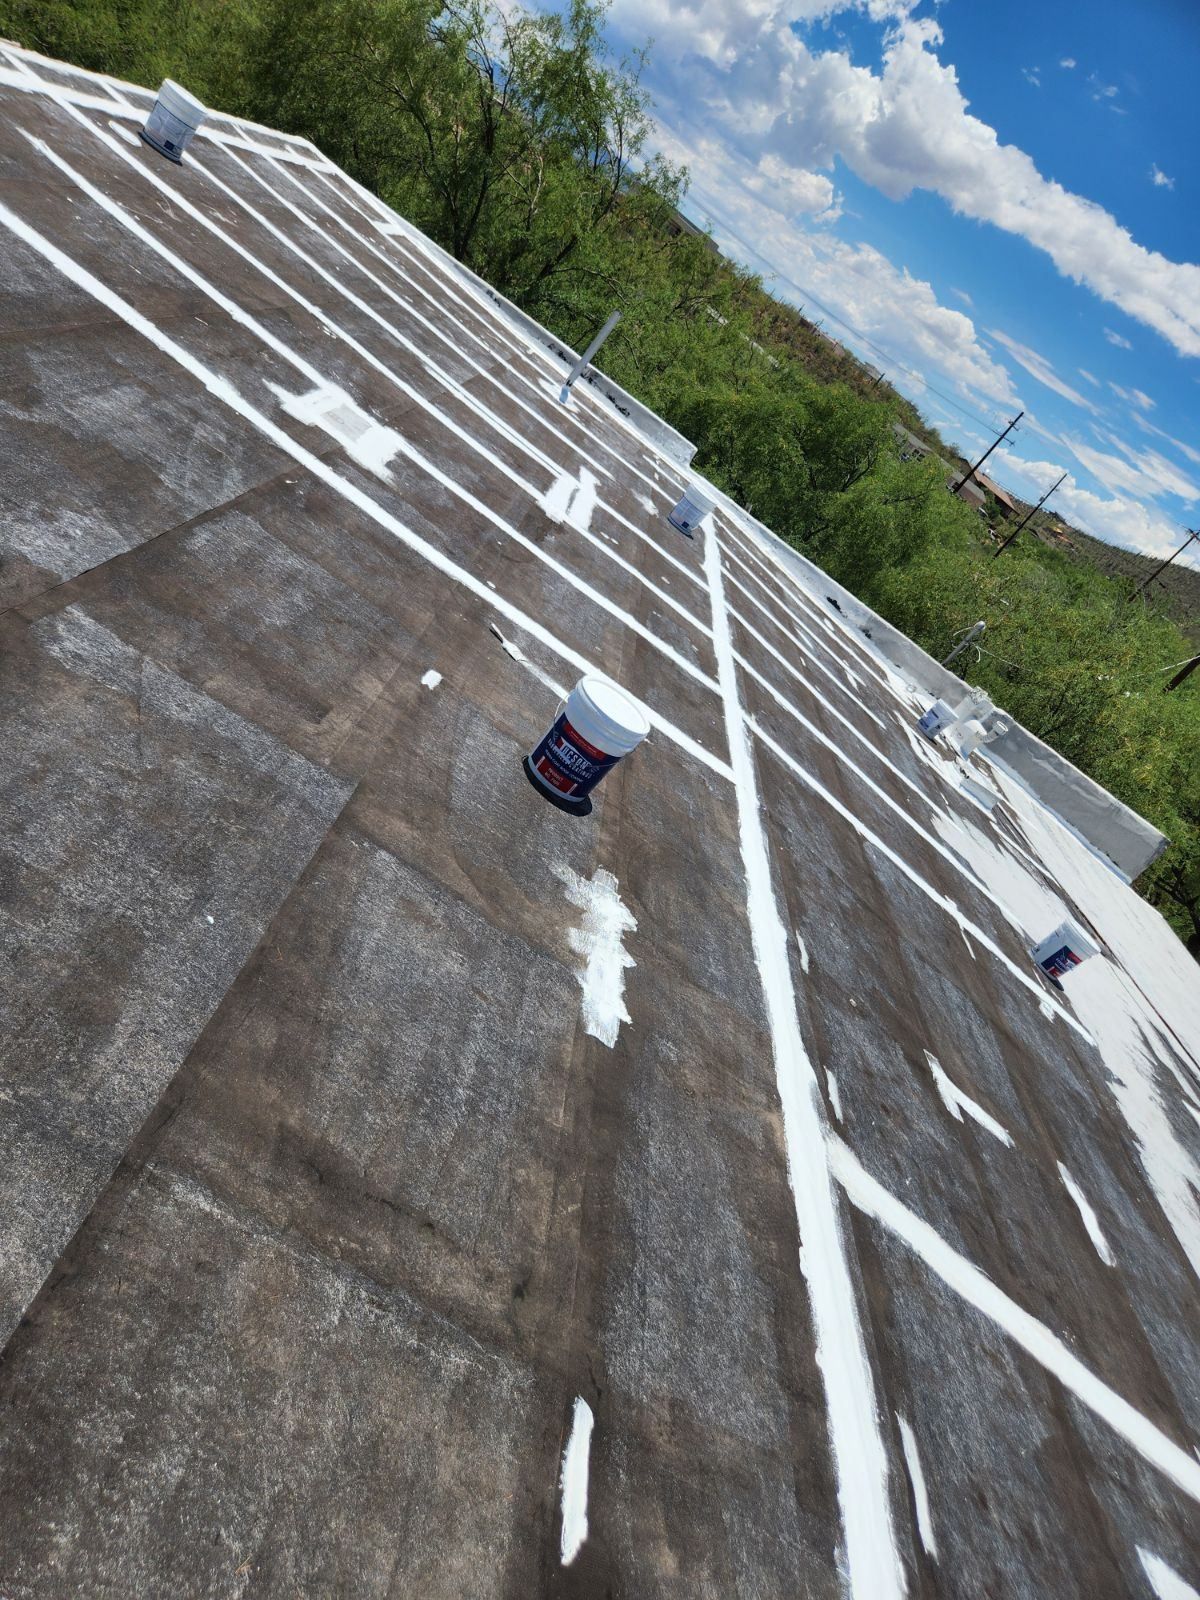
(362,1113)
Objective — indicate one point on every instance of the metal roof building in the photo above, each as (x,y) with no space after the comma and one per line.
(411,1190)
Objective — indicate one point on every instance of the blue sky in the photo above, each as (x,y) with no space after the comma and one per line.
(1003,200)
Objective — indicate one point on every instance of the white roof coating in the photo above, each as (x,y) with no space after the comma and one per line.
(411,1189)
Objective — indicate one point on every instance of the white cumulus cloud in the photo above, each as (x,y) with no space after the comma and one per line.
(906,127)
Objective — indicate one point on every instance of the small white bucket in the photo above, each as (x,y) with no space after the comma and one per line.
(599,724)
(1063,949)
(691,510)
(939,716)
(173,121)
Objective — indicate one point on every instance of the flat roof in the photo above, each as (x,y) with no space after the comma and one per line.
(410,1188)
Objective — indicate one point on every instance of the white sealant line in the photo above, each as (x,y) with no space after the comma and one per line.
(956,1102)
(912,1460)
(601,942)
(1167,1585)
(574,1482)
(860,1457)
(494,324)
(863,649)
(799,634)
(950,855)
(988,943)
(498,327)
(63,95)
(855,733)
(321,315)
(224,391)
(787,666)
(1088,1217)
(807,645)
(378,443)
(1046,1348)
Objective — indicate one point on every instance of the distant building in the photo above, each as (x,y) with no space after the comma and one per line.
(1003,499)
(911,448)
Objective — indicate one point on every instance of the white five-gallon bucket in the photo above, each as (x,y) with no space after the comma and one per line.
(691,510)
(173,121)
(939,716)
(599,724)
(1063,949)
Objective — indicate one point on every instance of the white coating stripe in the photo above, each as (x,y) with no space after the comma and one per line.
(801,617)
(494,324)
(781,699)
(222,390)
(934,843)
(1030,982)
(796,587)
(233,310)
(62,94)
(805,640)
(1046,1348)
(872,1559)
(812,660)
(543,416)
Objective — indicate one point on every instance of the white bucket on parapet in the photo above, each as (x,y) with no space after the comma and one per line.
(938,717)
(173,121)
(691,511)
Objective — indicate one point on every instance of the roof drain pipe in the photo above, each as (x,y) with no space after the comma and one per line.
(173,121)
(588,354)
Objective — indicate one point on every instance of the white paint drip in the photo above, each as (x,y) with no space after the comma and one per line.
(601,942)
(970,946)
(956,1102)
(835,1099)
(574,1482)
(860,1458)
(1034,1337)
(1167,1585)
(916,1477)
(1090,1220)
(431,679)
(803,949)
(225,392)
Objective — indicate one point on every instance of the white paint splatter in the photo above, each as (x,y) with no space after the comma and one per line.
(1090,1220)
(431,679)
(1034,1337)
(803,948)
(916,1477)
(574,1482)
(583,502)
(601,942)
(557,498)
(835,1099)
(364,440)
(967,942)
(1166,1584)
(956,1102)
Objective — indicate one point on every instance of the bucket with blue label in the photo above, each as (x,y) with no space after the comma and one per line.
(598,725)
(690,512)
(172,123)
(939,716)
(1063,950)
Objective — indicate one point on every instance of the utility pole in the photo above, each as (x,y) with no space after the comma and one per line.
(1193,534)
(1025,519)
(588,354)
(967,476)
(1188,667)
